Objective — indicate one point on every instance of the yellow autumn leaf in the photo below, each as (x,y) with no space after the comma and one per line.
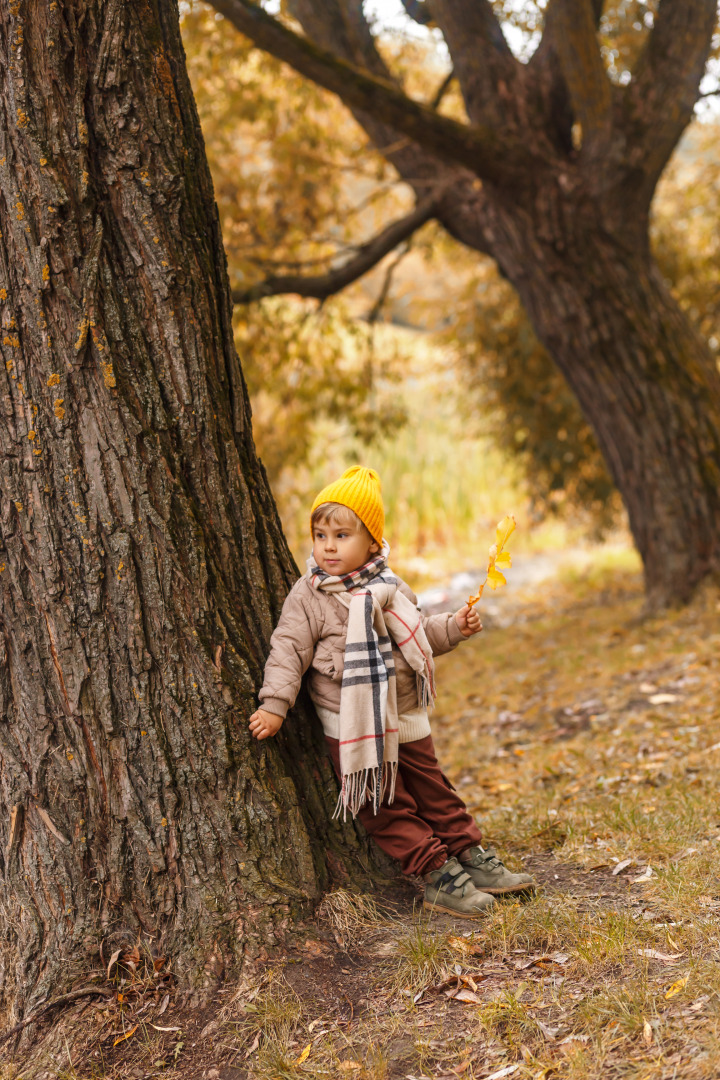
(504,560)
(676,987)
(504,531)
(495,578)
(474,599)
(304,1055)
(126,1035)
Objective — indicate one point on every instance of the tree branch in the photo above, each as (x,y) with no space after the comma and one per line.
(661,96)
(487,153)
(442,89)
(322,286)
(482,59)
(419,11)
(576,45)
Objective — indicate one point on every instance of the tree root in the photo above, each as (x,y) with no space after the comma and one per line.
(74,995)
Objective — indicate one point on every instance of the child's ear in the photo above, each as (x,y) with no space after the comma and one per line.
(374,547)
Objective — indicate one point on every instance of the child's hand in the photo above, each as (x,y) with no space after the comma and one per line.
(468,620)
(264,723)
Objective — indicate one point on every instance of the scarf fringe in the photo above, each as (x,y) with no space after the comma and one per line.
(366,786)
(425,691)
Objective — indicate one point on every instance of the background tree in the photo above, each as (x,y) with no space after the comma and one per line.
(142,564)
(553,174)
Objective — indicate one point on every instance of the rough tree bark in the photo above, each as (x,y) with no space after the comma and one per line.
(553,176)
(142,564)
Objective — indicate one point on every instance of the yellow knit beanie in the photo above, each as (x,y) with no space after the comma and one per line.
(359,489)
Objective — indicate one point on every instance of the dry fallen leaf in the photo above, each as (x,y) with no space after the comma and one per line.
(645,876)
(507,1071)
(621,866)
(663,699)
(647,1032)
(467,996)
(304,1055)
(253,1046)
(548,1032)
(127,1035)
(653,954)
(465,947)
(113,961)
(347,1066)
(677,986)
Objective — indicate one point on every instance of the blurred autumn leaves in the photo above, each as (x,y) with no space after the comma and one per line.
(298,189)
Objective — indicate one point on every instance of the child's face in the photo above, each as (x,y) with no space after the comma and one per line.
(340,548)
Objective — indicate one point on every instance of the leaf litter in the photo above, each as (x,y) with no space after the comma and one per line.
(575,977)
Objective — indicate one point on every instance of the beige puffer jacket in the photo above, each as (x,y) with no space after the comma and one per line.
(311,634)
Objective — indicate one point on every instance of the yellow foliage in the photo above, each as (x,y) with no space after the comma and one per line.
(497,556)
(495,578)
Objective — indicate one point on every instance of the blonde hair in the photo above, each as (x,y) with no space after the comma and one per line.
(332,513)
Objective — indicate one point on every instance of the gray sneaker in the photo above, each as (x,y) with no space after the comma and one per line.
(489,874)
(450,889)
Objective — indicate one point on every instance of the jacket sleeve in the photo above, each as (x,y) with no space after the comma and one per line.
(292,647)
(443,632)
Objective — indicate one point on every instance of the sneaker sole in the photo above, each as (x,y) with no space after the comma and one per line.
(452,911)
(528,886)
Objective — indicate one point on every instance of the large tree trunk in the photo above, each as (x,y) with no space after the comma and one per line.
(142,563)
(643,376)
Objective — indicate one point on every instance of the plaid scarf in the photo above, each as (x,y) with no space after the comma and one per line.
(377,612)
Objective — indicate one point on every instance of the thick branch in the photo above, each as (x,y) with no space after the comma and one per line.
(419,11)
(660,99)
(484,64)
(322,286)
(573,25)
(340,27)
(487,153)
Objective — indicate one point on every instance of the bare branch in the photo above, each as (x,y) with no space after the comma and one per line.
(376,310)
(322,286)
(442,89)
(340,27)
(486,152)
(590,90)
(660,99)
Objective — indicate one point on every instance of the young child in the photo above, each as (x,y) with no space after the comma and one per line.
(356,626)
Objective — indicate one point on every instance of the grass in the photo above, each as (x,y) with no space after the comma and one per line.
(547,728)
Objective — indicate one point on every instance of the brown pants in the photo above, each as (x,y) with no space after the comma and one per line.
(427,821)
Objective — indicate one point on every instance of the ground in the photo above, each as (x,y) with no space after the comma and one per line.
(585,738)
